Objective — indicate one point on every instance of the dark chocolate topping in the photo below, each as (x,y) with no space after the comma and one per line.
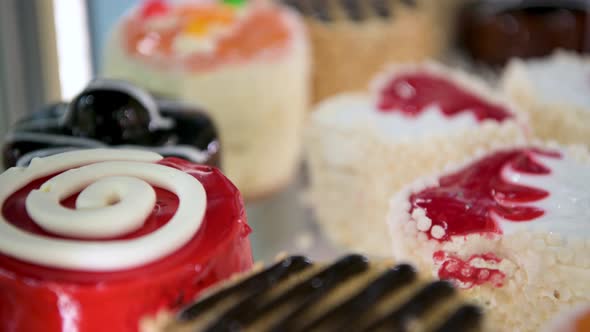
(466,318)
(256,298)
(492,32)
(114,114)
(250,286)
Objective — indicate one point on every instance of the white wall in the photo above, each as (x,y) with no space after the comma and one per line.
(102,15)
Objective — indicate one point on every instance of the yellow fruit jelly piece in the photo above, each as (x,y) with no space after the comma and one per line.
(201,21)
(197,28)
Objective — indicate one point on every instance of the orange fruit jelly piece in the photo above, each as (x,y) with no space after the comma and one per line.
(265,28)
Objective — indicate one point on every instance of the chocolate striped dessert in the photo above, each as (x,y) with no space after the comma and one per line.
(350,294)
(353,39)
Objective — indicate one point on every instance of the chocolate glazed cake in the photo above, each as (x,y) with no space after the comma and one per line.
(112,113)
(354,39)
(350,294)
(493,31)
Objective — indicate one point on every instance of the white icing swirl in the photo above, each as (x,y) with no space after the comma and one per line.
(116,197)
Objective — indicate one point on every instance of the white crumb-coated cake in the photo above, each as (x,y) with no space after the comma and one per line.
(555,92)
(364,147)
(510,226)
(248,64)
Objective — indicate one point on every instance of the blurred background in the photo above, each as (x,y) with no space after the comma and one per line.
(50,49)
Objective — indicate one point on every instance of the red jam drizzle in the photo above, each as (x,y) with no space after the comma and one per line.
(412,93)
(465,274)
(32,297)
(463,202)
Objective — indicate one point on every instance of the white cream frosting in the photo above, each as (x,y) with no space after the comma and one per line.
(116,196)
(562,80)
(566,208)
(348,111)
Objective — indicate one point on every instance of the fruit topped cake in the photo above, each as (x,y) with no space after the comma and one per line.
(509,224)
(414,120)
(96,240)
(352,40)
(554,92)
(349,294)
(246,62)
(114,114)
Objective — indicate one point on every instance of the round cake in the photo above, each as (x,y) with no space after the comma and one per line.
(415,120)
(554,92)
(103,239)
(509,227)
(247,63)
(495,31)
(114,114)
(352,40)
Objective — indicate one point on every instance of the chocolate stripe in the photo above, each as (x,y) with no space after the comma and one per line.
(320,10)
(252,285)
(301,294)
(354,9)
(382,8)
(415,308)
(298,5)
(390,281)
(467,318)
(410,3)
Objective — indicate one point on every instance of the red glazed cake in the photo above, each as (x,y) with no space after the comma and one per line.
(510,227)
(102,239)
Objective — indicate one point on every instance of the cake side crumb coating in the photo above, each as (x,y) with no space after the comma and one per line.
(525,296)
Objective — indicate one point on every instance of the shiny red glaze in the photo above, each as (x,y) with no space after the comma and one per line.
(462,203)
(412,93)
(456,269)
(36,298)
(154,8)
